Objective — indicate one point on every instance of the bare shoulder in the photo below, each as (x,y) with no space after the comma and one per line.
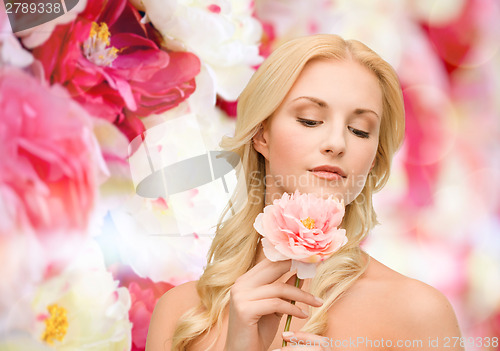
(416,301)
(423,309)
(419,299)
(406,308)
(183,296)
(173,304)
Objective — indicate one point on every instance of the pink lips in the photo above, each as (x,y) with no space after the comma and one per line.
(327,175)
(328,172)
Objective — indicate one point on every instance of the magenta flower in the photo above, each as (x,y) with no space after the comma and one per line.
(50,169)
(144,294)
(50,158)
(50,165)
(111,64)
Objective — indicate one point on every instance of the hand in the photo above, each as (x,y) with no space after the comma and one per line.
(257,302)
(305,342)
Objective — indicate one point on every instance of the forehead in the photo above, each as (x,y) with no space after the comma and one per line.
(335,81)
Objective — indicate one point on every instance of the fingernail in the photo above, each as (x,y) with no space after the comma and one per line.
(305,312)
(320,300)
(287,334)
(276,349)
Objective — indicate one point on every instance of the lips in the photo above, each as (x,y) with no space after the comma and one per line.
(329,169)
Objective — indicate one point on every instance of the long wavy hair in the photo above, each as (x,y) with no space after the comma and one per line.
(234,248)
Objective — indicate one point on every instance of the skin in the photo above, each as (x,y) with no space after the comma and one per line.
(331,116)
(335,97)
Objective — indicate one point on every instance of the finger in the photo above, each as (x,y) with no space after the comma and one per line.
(293,277)
(265,272)
(276,306)
(291,280)
(283,291)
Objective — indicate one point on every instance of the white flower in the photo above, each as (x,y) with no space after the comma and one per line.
(36,36)
(153,236)
(26,262)
(147,239)
(21,269)
(80,309)
(11,51)
(222,33)
(21,342)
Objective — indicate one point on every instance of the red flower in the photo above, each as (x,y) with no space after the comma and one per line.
(230,107)
(112,65)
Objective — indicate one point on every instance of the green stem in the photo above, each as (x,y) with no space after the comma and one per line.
(289,317)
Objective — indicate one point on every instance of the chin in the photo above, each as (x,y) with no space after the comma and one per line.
(324,193)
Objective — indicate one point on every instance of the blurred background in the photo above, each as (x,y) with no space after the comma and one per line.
(101,104)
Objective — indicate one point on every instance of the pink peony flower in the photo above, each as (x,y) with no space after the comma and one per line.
(143,303)
(144,295)
(50,158)
(301,227)
(50,165)
(111,63)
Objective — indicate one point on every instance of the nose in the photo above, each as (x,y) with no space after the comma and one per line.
(334,142)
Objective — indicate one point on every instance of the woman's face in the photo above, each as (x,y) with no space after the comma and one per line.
(330,117)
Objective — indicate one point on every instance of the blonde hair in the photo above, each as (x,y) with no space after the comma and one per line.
(234,247)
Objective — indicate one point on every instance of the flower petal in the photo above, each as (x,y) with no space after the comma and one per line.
(304,270)
(271,253)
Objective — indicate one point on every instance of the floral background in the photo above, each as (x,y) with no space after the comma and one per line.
(93,102)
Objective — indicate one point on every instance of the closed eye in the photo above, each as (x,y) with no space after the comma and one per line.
(359,133)
(308,122)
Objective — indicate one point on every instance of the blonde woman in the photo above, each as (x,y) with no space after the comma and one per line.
(322,115)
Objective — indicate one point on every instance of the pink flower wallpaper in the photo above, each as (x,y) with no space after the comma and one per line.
(111,183)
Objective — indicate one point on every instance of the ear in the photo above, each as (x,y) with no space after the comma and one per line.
(373,164)
(260,140)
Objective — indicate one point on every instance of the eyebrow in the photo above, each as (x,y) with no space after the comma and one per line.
(317,101)
(323,104)
(360,111)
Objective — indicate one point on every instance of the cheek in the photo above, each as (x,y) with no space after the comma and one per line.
(368,153)
(289,143)
(365,157)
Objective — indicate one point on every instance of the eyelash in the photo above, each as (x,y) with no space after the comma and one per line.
(305,122)
(359,133)
(355,131)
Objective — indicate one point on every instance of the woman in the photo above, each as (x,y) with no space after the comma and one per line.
(317,104)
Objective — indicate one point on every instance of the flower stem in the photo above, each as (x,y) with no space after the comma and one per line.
(289,317)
